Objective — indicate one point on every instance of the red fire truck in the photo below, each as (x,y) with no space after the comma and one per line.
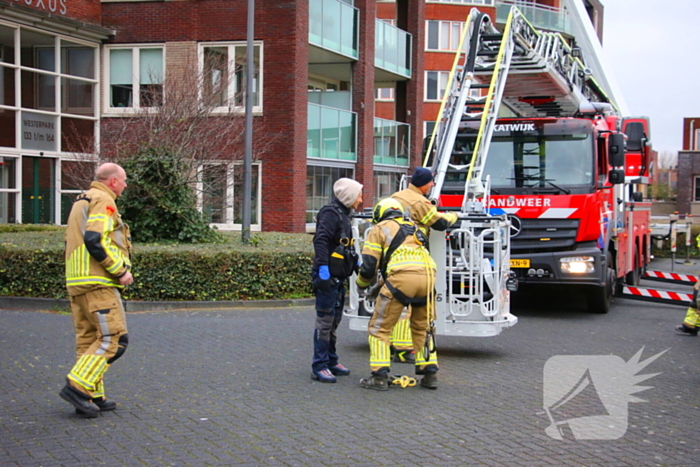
(577,216)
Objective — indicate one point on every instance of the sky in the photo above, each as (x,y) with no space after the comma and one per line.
(650,48)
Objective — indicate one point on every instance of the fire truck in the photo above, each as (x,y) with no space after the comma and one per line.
(578,216)
(543,173)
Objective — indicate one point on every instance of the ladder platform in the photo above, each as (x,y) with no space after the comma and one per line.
(654,295)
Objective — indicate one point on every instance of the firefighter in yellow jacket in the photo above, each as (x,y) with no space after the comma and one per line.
(395,247)
(98,264)
(424,213)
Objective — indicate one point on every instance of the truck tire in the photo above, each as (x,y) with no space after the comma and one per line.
(599,299)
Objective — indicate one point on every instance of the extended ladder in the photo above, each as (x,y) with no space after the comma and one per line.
(533,73)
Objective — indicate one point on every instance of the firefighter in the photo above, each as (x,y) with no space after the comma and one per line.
(396,247)
(692,317)
(98,265)
(333,232)
(424,213)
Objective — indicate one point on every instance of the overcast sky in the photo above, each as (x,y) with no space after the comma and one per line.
(650,48)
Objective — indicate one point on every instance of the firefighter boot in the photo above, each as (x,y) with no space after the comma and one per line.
(429,380)
(102,403)
(685,329)
(378,381)
(79,400)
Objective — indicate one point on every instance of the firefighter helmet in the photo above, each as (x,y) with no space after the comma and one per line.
(387,208)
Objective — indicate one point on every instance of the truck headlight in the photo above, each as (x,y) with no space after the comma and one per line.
(577,264)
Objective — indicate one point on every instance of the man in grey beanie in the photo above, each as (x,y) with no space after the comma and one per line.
(333,227)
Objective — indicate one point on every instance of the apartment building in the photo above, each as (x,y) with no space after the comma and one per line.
(341,88)
(71,69)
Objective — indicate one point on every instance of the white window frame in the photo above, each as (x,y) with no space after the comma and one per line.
(696,183)
(231,168)
(449,33)
(696,140)
(136,72)
(5,192)
(385,94)
(259,86)
(442,81)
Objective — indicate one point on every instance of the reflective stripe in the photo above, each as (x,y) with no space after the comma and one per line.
(379,353)
(85,280)
(429,216)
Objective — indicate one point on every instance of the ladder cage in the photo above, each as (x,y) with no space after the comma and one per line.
(477,281)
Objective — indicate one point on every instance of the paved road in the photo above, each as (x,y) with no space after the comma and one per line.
(232,388)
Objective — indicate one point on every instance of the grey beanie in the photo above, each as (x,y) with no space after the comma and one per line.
(347,191)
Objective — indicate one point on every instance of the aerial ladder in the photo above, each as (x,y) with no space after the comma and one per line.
(491,70)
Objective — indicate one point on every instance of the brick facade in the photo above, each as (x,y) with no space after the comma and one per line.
(88,11)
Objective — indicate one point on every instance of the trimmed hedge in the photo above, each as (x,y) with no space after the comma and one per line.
(272,266)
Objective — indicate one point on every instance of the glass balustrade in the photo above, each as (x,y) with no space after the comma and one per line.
(331,133)
(540,16)
(333,25)
(392,49)
(391,142)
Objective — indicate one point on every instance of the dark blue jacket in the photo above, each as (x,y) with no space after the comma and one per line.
(332,224)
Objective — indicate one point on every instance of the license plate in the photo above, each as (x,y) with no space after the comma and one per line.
(519,263)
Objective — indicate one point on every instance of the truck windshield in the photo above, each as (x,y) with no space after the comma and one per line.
(542,156)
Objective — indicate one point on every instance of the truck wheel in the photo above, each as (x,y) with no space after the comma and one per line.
(600,298)
(632,277)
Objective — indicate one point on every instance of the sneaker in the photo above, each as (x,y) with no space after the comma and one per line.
(339,370)
(429,381)
(379,382)
(685,329)
(324,376)
(102,403)
(404,356)
(79,400)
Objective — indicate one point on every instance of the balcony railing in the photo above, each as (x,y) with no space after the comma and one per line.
(333,25)
(392,49)
(391,142)
(331,133)
(540,16)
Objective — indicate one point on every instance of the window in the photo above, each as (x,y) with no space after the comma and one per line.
(444,35)
(385,184)
(429,127)
(319,187)
(9,190)
(697,189)
(384,94)
(224,75)
(435,84)
(696,141)
(220,194)
(76,176)
(135,77)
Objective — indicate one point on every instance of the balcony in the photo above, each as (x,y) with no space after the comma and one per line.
(392,52)
(391,142)
(331,133)
(540,16)
(334,27)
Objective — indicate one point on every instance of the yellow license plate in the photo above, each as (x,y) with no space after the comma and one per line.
(519,263)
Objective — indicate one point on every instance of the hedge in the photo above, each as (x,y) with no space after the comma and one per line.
(272,266)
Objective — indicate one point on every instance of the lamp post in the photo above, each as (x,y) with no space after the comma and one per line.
(248,142)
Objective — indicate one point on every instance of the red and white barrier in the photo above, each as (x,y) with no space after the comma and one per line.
(659,296)
(670,277)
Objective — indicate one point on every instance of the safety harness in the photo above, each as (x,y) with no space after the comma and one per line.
(406,228)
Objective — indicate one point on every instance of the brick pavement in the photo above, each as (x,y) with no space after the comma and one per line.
(233,388)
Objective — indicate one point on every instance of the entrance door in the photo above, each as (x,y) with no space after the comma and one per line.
(38,190)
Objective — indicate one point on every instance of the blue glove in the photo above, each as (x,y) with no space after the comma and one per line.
(324,273)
